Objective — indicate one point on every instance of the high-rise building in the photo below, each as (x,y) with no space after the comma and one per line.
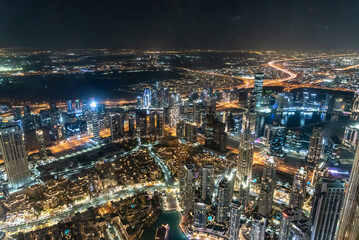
(173,116)
(258,90)
(315,146)
(234,222)
(77,104)
(27,111)
(199,215)
(187,187)
(69,105)
(349,220)
(207,183)
(191,132)
(17,114)
(146,98)
(95,123)
(294,225)
(117,126)
(298,191)
(319,171)
(267,188)
(259,224)
(327,204)
(14,154)
(277,140)
(41,144)
(223,200)
(245,154)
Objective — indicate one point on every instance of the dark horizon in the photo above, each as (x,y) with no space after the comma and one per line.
(178,25)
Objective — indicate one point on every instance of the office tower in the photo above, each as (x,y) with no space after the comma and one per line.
(95,123)
(77,105)
(277,139)
(174,99)
(53,106)
(199,215)
(14,154)
(298,191)
(207,183)
(146,98)
(117,126)
(41,144)
(234,222)
(245,154)
(223,200)
(258,90)
(320,170)
(173,116)
(191,132)
(69,105)
(187,186)
(327,204)
(267,188)
(27,111)
(180,129)
(17,114)
(259,225)
(160,123)
(294,225)
(349,219)
(141,121)
(335,149)
(315,146)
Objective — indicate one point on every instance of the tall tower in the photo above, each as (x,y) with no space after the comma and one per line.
(234,222)
(267,188)
(349,220)
(223,200)
(27,111)
(199,215)
(117,126)
(41,144)
(207,182)
(147,98)
(187,186)
(13,151)
(245,154)
(258,90)
(299,187)
(327,204)
(95,122)
(69,105)
(315,146)
(259,225)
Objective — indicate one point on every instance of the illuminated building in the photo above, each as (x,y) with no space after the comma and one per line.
(17,114)
(41,144)
(191,132)
(298,191)
(294,225)
(27,111)
(258,90)
(139,102)
(319,171)
(141,121)
(335,149)
(350,138)
(207,183)
(146,98)
(15,157)
(315,146)
(234,222)
(117,126)
(77,105)
(277,139)
(95,123)
(223,200)
(199,215)
(259,225)
(173,116)
(245,155)
(69,105)
(187,186)
(348,226)
(267,188)
(327,204)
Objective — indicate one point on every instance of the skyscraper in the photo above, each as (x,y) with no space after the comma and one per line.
(349,220)
(267,188)
(277,140)
(116,126)
(199,215)
(207,182)
(299,187)
(147,98)
(77,104)
(27,111)
(13,151)
(259,225)
(95,123)
(315,146)
(69,105)
(258,90)
(234,222)
(327,204)
(245,154)
(41,144)
(294,225)
(223,200)
(187,187)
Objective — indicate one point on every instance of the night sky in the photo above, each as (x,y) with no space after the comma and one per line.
(180,24)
